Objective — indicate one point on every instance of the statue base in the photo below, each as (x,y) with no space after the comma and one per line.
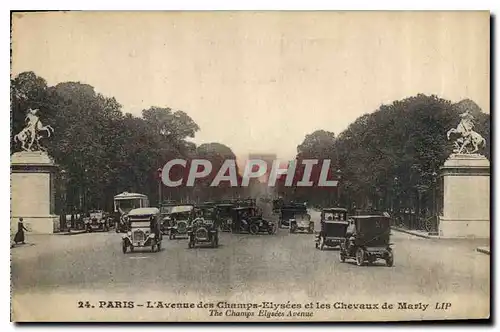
(466,197)
(33,192)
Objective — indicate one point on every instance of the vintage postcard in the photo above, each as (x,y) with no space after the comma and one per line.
(250,166)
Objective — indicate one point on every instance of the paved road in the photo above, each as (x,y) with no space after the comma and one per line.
(280,264)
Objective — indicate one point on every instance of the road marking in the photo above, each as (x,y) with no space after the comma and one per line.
(138,257)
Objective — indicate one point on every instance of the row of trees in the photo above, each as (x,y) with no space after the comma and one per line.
(102,151)
(390,158)
(385,158)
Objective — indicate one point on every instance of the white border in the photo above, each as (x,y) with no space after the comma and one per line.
(182,5)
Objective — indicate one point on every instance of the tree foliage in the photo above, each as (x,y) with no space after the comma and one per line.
(394,151)
(103,151)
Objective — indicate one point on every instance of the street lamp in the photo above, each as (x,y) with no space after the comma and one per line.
(62,202)
(159,171)
(339,177)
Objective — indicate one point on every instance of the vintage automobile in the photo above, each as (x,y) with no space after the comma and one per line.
(368,239)
(144,229)
(180,219)
(249,219)
(204,228)
(123,203)
(165,210)
(334,223)
(288,212)
(223,214)
(97,220)
(301,222)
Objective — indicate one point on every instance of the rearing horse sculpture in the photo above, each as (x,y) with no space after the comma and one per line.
(31,134)
(468,136)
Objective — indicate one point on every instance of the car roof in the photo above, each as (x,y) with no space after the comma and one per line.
(143,211)
(370,216)
(182,208)
(125,195)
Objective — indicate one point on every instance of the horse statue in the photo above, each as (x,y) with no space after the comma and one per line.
(30,136)
(470,141)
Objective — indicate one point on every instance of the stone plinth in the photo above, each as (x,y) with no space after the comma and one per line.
(32,192)
(466,197)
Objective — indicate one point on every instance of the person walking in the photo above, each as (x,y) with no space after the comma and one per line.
(19,237)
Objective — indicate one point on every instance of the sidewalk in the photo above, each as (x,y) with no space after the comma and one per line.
(422,234)
(482,245)
(73,232)
(484,250)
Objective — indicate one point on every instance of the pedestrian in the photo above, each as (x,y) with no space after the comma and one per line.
(19,237)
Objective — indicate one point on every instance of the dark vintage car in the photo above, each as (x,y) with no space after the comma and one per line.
(288,213)
(334,222)
(203,229)
(97,220)
(179,220)
(223,214)
(144,230)
(249,219)
(368,239)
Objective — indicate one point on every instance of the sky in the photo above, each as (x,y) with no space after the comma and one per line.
(259,82)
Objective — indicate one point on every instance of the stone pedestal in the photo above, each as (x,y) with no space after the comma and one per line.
(466,197)
(33,192)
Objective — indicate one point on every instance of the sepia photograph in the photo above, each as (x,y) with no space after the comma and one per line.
(250,166)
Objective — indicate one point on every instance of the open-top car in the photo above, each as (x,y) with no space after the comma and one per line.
(223,214)
(144,230)
(301,222)
(288,213)
(249,219)
(165,210)
(97,220)
(334,222)
(204,228)
(180,219)
(368,239)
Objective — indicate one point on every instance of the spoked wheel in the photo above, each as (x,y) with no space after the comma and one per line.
(342,256)
(153,247)
(311,229)
(124,247)
(321,243)
(253,229)
(360,257)
(158,246)
(190,244)
(389,260)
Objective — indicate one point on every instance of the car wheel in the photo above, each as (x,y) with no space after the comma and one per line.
(190,244)
(360,257)
(321,243)
(389,260)
(158,246)
(124,247)
(132,248)
(253,229)
(170,235)
(311,229)
(342,257)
